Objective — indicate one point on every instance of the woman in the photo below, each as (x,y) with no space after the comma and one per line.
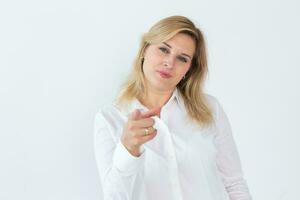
(164,138)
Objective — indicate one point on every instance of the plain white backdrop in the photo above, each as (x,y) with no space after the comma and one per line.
(60,61)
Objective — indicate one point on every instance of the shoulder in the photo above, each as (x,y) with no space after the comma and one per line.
(109,115)
(212,101)
(215,105)
(210,98)
(219,112)
(106,110)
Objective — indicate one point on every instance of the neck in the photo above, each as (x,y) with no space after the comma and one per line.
(155,98)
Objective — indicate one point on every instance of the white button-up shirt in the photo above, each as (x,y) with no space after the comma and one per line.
(182,162)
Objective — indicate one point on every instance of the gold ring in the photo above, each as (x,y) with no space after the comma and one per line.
(146,131)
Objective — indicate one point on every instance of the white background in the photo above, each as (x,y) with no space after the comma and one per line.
(61,60)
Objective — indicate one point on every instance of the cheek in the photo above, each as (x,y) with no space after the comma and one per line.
(184,69)
(153,57)
(149,67)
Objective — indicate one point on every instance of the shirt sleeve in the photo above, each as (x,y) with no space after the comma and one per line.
(117,168)
(228,160)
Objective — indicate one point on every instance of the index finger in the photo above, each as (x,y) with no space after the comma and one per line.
(150,113)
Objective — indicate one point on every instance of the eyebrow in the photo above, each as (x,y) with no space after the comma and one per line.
(171,48)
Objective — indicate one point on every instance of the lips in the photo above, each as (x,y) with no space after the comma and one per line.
(164,74)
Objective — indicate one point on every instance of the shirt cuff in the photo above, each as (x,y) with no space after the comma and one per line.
(125,162)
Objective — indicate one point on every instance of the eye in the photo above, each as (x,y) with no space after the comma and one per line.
(164,50)
(182,59)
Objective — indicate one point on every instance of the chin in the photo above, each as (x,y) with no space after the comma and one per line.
(159,85)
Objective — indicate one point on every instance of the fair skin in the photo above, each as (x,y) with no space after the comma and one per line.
(172,57)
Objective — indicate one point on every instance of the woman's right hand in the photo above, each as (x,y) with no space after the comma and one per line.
(134,131)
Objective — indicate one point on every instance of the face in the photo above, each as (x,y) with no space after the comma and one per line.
(166,63)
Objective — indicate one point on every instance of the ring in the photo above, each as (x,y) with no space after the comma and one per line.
(146,131)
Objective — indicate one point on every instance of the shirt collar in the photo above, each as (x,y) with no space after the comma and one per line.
(136,104)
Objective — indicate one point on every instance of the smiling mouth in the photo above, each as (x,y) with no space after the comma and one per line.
(164,74)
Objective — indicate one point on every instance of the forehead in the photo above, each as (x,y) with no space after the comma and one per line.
(182,43)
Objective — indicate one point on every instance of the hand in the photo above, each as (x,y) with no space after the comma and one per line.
(134,130)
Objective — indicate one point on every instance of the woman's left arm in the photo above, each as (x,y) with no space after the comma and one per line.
(228,160)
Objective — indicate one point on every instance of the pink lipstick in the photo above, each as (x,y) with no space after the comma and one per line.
(164,74)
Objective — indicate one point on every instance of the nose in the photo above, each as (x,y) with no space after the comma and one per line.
(168,62)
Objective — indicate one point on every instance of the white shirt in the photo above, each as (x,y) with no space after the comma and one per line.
(182,162)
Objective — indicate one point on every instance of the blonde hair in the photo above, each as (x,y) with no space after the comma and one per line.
(191,87)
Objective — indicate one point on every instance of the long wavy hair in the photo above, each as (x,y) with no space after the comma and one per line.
(190,87)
